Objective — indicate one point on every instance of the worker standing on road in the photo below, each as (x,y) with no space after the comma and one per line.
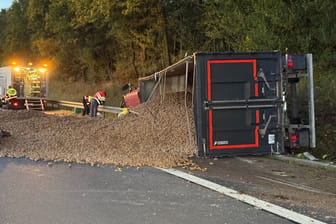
(97,99)
(86,105)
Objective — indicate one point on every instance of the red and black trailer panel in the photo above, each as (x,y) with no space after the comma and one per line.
(238,105)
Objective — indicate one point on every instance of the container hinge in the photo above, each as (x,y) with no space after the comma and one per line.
(206,105)
(261,74)
(262,131)
(204,148)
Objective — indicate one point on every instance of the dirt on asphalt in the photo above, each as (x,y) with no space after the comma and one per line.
(160,136)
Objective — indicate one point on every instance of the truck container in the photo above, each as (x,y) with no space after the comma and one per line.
(240,100)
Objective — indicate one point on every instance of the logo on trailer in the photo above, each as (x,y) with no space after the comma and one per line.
(221,142)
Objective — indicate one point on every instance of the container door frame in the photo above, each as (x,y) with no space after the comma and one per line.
(210,112)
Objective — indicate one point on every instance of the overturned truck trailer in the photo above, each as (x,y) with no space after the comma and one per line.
(243,103)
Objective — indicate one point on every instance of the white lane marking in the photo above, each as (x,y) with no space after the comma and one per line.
(275,209)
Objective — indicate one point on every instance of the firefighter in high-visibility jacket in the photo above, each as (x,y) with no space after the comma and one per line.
(97,99)
(86,105)
(10,94)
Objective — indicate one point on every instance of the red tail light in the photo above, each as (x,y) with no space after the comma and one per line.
(293,140)
(15,104)
(289,61)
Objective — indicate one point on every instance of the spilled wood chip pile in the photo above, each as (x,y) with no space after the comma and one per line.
(159,136)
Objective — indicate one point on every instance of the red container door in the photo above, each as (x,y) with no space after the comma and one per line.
(230,84)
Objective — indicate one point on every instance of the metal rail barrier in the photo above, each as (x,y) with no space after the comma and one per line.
(101,108)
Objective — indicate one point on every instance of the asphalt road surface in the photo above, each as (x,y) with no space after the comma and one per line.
(41,192)
(306,189)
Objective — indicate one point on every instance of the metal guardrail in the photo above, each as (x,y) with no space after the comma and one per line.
(101,108)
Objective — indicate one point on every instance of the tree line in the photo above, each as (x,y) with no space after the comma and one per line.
(102,40)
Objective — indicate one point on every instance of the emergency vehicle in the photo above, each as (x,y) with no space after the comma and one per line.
(30,83)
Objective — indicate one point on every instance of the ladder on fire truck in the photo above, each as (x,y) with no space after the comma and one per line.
(34,104)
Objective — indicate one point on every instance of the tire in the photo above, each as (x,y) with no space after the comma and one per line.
(4,133)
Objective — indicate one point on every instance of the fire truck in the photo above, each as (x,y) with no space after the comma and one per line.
(30,83)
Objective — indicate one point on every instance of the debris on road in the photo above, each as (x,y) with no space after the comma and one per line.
(158,136)
(4,133)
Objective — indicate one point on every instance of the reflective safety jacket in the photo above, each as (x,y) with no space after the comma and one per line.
(100,96)
(11,92)
(88,99)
